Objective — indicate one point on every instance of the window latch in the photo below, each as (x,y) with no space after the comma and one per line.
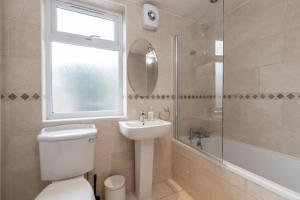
(93,37)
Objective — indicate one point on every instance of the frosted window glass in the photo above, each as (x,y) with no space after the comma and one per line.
(219,48)
(219,85)
(86,25)
(84,79)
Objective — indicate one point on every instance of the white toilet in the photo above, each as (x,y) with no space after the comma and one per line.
(66,154)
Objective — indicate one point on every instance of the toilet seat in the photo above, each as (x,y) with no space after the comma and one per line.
(72,189)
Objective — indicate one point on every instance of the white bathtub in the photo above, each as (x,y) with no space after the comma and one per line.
(278,168)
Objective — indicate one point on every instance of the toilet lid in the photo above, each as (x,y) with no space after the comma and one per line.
(72,189)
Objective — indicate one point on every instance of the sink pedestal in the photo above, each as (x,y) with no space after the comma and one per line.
(144,150)
(143,135)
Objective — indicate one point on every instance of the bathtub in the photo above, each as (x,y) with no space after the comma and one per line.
(268,168)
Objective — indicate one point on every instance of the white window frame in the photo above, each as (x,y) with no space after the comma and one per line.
(50,34)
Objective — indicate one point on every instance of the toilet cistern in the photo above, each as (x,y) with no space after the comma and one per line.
(66,153)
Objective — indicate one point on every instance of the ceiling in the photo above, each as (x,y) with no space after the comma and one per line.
(201,10)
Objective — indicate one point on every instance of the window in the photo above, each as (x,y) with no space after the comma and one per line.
(83,62)
(219,48)
(218,78)
(218,86)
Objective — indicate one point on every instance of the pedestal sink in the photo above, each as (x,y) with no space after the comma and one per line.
(143,136)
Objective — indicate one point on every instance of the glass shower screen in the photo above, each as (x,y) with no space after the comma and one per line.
(199,84)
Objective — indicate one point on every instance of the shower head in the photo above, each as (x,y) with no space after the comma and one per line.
(213,1)
(204,27)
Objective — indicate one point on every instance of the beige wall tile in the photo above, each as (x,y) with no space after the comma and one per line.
(261,56)
(258,113)
(27,181)
(279,140)
(254,53)
(291,113)
(22,39)
(268,50)
(18,75)
(280,78)
(22,118)
(291,48)
(255,113)
(260,123)
(289,143)
(272,17)
(292,13)
(25,155)
(241,56)
(242,24)
(248,80)
(16,10)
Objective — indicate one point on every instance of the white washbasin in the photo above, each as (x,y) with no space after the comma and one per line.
(136,130)
(143,136)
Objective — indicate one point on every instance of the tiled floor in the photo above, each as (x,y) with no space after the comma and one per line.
(168,190)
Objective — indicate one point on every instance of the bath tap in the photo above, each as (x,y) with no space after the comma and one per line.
(198,133)
(199,144)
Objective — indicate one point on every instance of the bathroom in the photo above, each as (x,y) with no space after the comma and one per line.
(221,82)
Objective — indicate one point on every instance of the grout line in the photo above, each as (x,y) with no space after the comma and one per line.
(167,196)
(174,185)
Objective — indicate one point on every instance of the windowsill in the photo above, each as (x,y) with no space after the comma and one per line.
(83,119)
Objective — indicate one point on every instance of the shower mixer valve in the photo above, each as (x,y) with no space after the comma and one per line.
(198,133)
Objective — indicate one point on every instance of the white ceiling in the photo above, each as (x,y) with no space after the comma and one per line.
(201,10)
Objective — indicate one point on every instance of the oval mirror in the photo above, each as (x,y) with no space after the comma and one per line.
(142,67)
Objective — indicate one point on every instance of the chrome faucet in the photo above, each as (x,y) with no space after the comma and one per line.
(142,117)
(198,133)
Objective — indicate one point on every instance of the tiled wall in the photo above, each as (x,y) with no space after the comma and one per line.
(261,74)
(22,119)
(262,66)
(203,179)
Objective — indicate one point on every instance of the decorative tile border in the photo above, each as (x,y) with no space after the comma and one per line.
(263,96)
(195,96)
(152,97)
(259,96)
(20,96)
